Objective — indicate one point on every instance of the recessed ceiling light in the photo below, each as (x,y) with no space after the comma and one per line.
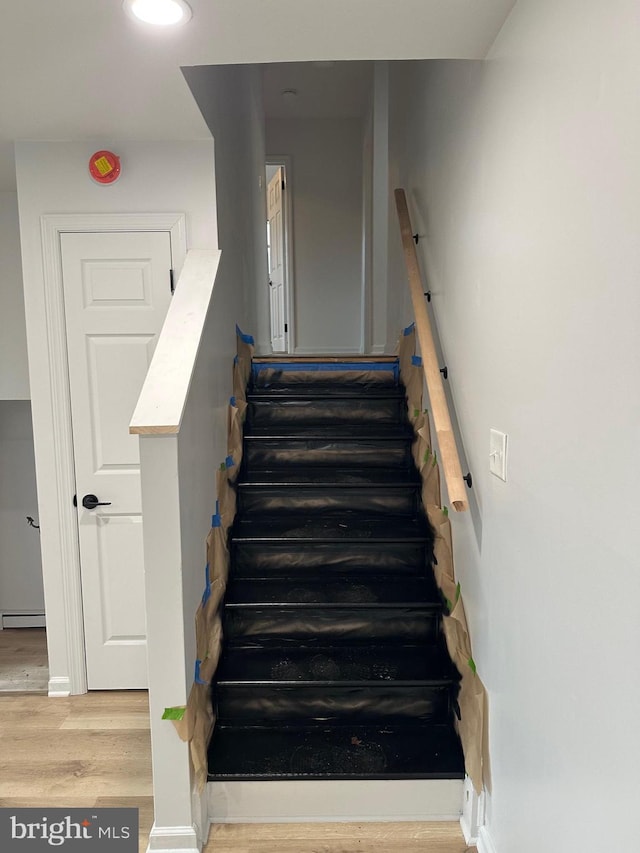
(162,13)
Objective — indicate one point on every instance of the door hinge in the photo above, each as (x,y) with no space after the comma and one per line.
(286,328)
(171,282)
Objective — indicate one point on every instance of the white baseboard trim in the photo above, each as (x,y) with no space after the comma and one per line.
(485,842)
(173,839)
(472,817)
(378,349)
(311,801)
(22,620)
(59,687)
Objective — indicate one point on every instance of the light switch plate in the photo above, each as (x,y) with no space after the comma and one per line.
(498,454)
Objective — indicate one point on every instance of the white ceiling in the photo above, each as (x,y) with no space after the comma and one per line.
(342,90)
(81,69)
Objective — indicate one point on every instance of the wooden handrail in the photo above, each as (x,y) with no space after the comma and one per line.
(449,458)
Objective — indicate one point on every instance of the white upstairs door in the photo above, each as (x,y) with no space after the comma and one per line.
(276,261)
(117,289)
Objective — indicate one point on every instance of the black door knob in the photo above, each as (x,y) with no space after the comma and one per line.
(91,502)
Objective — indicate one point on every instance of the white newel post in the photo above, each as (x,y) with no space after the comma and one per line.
(177,824)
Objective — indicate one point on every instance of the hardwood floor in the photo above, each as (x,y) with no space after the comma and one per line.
(337,838)
(94,750)
(83,751)
(23,660)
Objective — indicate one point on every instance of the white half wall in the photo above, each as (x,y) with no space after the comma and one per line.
(524,174)
(326,179)
(179,471)
(52,177)
(14,368)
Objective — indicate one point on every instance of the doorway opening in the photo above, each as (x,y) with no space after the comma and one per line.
(279,253)
(23,640)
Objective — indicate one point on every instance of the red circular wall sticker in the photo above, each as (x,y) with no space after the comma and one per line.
(104,167)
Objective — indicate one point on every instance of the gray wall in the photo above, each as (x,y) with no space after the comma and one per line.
(326,177)
(523,172)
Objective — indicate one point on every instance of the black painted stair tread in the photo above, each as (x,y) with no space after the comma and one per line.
(300,477)
(338,752)
(361,591)
(349,526)
(341,666)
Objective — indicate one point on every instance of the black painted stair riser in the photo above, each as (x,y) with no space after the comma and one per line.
(250,558)
(292,451)
(278,625)
(307,410)
(367,704)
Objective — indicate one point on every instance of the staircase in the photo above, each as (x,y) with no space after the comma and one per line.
(334,668)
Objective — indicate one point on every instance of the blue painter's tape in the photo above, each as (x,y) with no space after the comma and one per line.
(232,401)
(229,462)
(315,366)
(408,330)
(216,521)
(207,589)
(416,361)
(197,678)
(247,339)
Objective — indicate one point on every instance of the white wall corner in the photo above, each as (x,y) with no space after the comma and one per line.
(473,811)
(173,839)
(59,687)
(485,842)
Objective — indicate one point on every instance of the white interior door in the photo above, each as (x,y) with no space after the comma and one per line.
(116,290)
(276,261)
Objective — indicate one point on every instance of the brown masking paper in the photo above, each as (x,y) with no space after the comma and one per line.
(236,419)
(226,496)
(422,440)
(472,698)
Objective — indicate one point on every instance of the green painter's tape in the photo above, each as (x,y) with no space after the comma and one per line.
(449,605)
(458,591)
(445,511)
(173,713)
(223,466)
(416,413)
(472,665)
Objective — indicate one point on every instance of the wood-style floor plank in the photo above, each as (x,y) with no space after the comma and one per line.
(23,660)
(337,838)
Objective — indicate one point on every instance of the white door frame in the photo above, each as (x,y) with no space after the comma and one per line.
(52,226)
(287,209)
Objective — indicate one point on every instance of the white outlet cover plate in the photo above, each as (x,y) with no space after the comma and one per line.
(498,454)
